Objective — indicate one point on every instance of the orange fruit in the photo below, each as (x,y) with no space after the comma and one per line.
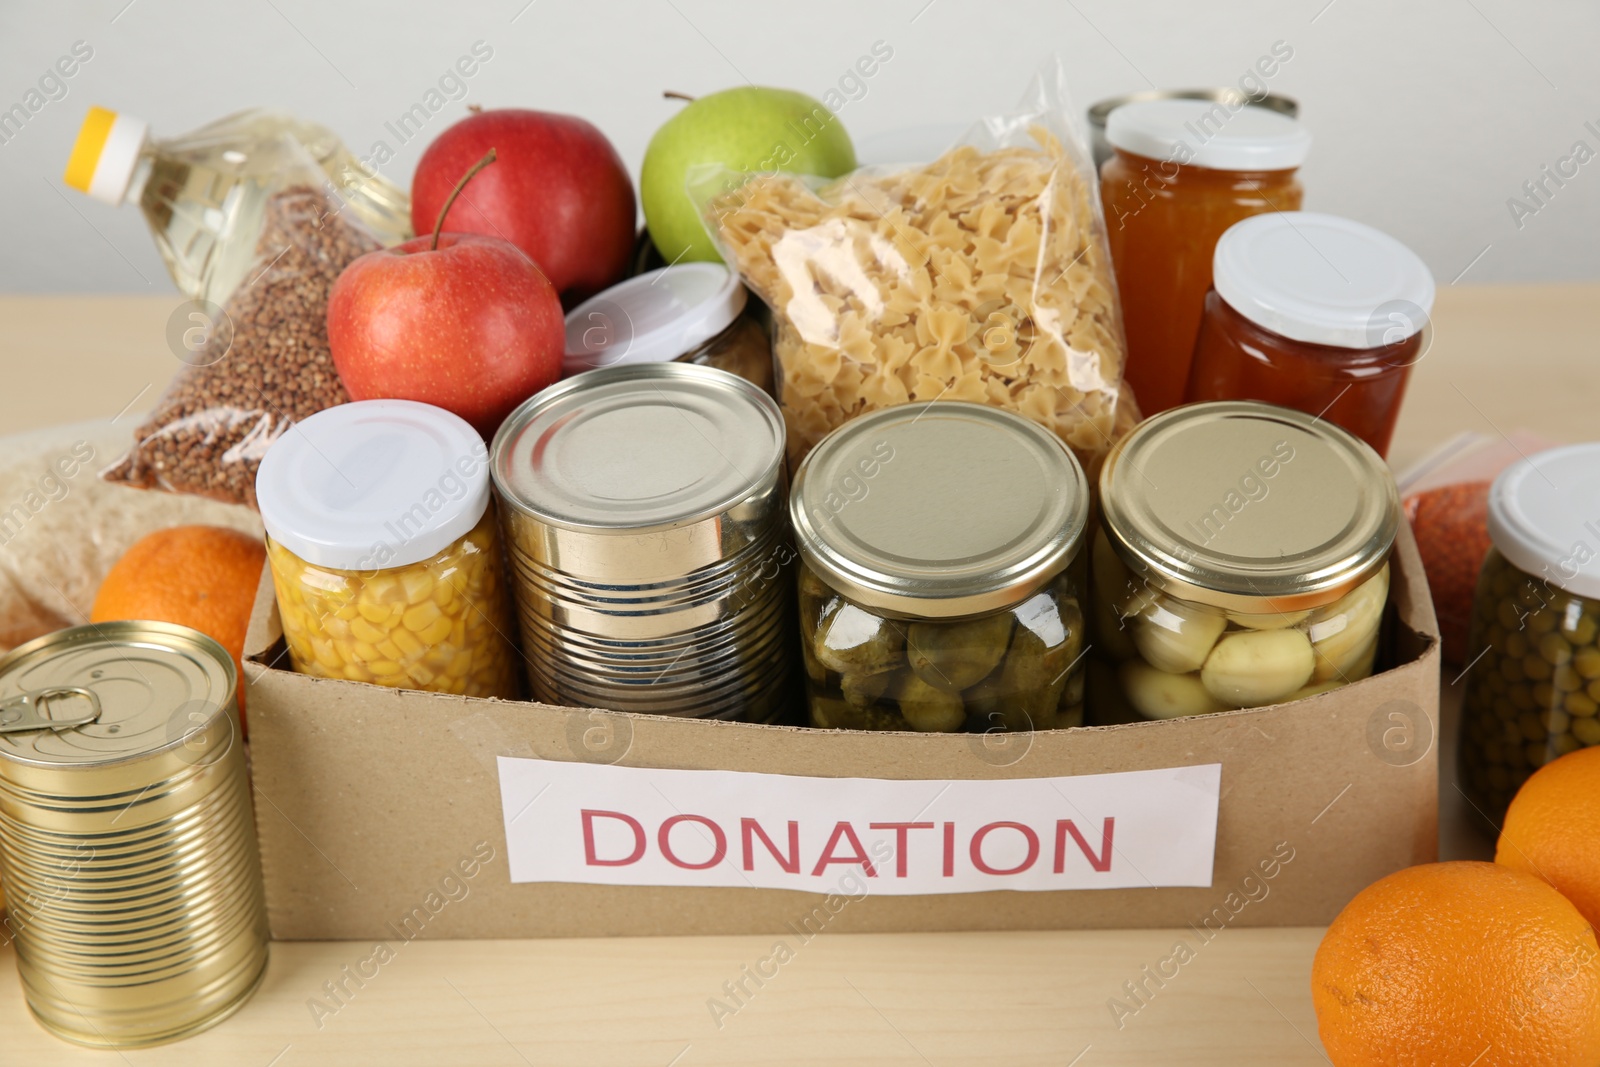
(1459,963)
(199,576)
(1552,829)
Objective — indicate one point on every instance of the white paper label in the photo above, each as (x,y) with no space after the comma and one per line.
(608,825)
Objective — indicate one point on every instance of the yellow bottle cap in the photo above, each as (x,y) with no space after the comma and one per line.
(105,154)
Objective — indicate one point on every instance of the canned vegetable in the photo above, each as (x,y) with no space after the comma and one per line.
(129,844)
(936,594)
(1244,560)
(1533,677)
(643,514)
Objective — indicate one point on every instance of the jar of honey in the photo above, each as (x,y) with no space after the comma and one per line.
(1182,172)
(1317,313)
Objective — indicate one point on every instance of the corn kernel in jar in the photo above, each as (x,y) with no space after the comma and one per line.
(384,551)
(402,634)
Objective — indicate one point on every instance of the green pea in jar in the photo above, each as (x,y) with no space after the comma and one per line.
(1533,683)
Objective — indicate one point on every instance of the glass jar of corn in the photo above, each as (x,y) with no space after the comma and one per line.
(384,551)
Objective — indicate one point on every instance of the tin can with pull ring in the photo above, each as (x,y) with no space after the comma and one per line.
(127,840)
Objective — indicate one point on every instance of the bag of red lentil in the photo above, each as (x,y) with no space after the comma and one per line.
(1446,498)
(264,364)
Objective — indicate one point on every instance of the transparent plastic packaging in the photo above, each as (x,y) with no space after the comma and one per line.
(261,362)
(981,276)
(205,194)
(1446,498)
(1015,669)
(440,625)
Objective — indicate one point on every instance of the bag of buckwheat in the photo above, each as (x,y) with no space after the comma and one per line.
(266,364)
(981,276)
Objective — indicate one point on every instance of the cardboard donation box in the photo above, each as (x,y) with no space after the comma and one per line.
(387,813)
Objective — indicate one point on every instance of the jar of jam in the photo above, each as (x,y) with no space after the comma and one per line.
(1181,173)
(936,592)
(689,312)
(1533,683)
(384,552)
(1317,313)
(1244,559)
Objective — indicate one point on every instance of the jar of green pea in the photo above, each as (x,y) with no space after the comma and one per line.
(1533,684)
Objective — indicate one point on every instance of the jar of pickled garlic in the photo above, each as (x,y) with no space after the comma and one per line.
(1181,173)
(687,313)
(936,592)
(1243,559)
(1314,312)
(1533,680)
(384,551)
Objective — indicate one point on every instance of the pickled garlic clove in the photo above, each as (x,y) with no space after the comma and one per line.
(1250,668)
(1175,636)
(1158,694)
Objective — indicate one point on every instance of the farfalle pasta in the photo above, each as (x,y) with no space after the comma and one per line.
(982,276)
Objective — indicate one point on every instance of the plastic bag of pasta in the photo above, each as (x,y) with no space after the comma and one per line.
(982,276)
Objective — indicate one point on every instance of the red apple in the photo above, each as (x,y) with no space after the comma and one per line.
(471,326)
(559,192)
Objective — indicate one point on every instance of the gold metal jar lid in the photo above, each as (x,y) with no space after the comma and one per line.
(939,510)
(1248,506)
(103,694)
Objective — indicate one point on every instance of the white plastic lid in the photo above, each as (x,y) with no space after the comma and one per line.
(373,484)
(1544,517)
(1322,280)
(654,317)
(1207,133)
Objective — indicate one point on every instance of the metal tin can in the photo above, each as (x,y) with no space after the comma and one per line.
(936,593)
(1243,559)
(129,859)
(645,527)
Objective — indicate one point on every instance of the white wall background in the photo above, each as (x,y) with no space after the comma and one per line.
(1427,114)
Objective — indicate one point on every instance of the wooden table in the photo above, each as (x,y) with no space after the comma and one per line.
(1503,358)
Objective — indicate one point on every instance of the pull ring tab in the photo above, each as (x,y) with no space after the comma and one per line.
(31,711)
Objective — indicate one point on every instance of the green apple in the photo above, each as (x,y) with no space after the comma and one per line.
(750,128)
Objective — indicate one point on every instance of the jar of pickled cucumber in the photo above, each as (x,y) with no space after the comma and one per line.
(1533,680)
(384,551)
(935,586)
(1243,559)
